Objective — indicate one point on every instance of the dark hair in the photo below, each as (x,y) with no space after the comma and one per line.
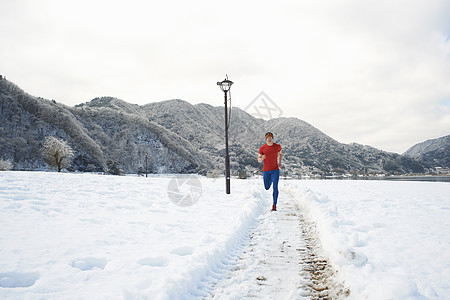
(268,134)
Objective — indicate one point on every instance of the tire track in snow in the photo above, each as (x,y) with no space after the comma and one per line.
(280,260)
(323,282)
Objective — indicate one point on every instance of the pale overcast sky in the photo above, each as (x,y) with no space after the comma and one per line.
(371,72)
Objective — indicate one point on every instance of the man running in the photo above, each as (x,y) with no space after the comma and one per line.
(271,154)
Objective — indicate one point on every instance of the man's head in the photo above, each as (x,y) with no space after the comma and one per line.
(269,137)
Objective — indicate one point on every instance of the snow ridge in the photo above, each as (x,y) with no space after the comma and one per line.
(212,265)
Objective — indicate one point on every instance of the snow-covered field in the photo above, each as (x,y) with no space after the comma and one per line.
(389,240)
(86,236)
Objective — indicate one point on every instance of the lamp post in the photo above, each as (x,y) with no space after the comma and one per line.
(146,158)
(225,86)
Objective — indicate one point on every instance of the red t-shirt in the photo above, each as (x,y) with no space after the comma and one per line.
(271,153)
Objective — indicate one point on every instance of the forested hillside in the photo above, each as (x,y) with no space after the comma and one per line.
(97,134)
(433,153)
(179,138)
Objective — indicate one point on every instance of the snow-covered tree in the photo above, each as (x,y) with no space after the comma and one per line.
(114,168)
(57,153)
(5,165)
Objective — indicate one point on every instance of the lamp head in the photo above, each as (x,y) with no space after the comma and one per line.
(225,85)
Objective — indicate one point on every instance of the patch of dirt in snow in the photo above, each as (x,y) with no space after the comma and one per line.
(323,281)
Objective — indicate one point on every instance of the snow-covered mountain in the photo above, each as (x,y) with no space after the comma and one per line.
(107,129)
(179,138)
(434,153)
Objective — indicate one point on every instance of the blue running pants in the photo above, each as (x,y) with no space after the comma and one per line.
(270,177)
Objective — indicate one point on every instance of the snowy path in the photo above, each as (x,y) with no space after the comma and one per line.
(279,261)
(269,264)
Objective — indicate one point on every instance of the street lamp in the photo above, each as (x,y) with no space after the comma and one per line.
(225,86)
(146,158)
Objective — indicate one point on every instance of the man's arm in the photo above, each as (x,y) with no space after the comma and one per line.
(261,157)
(280,157)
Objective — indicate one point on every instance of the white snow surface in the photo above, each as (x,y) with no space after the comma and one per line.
(87,236)
(84,236)
(388,240)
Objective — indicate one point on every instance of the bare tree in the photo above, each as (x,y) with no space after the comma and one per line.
(5,165)
(57,153)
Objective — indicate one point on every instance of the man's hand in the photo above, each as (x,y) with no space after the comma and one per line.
(261,157)
(280,157)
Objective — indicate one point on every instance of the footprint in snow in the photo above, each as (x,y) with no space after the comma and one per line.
(358,259)
(36,202)
(89,263)
(379,225)
(13,206)
(182,251)
(18,279)
(159,261)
